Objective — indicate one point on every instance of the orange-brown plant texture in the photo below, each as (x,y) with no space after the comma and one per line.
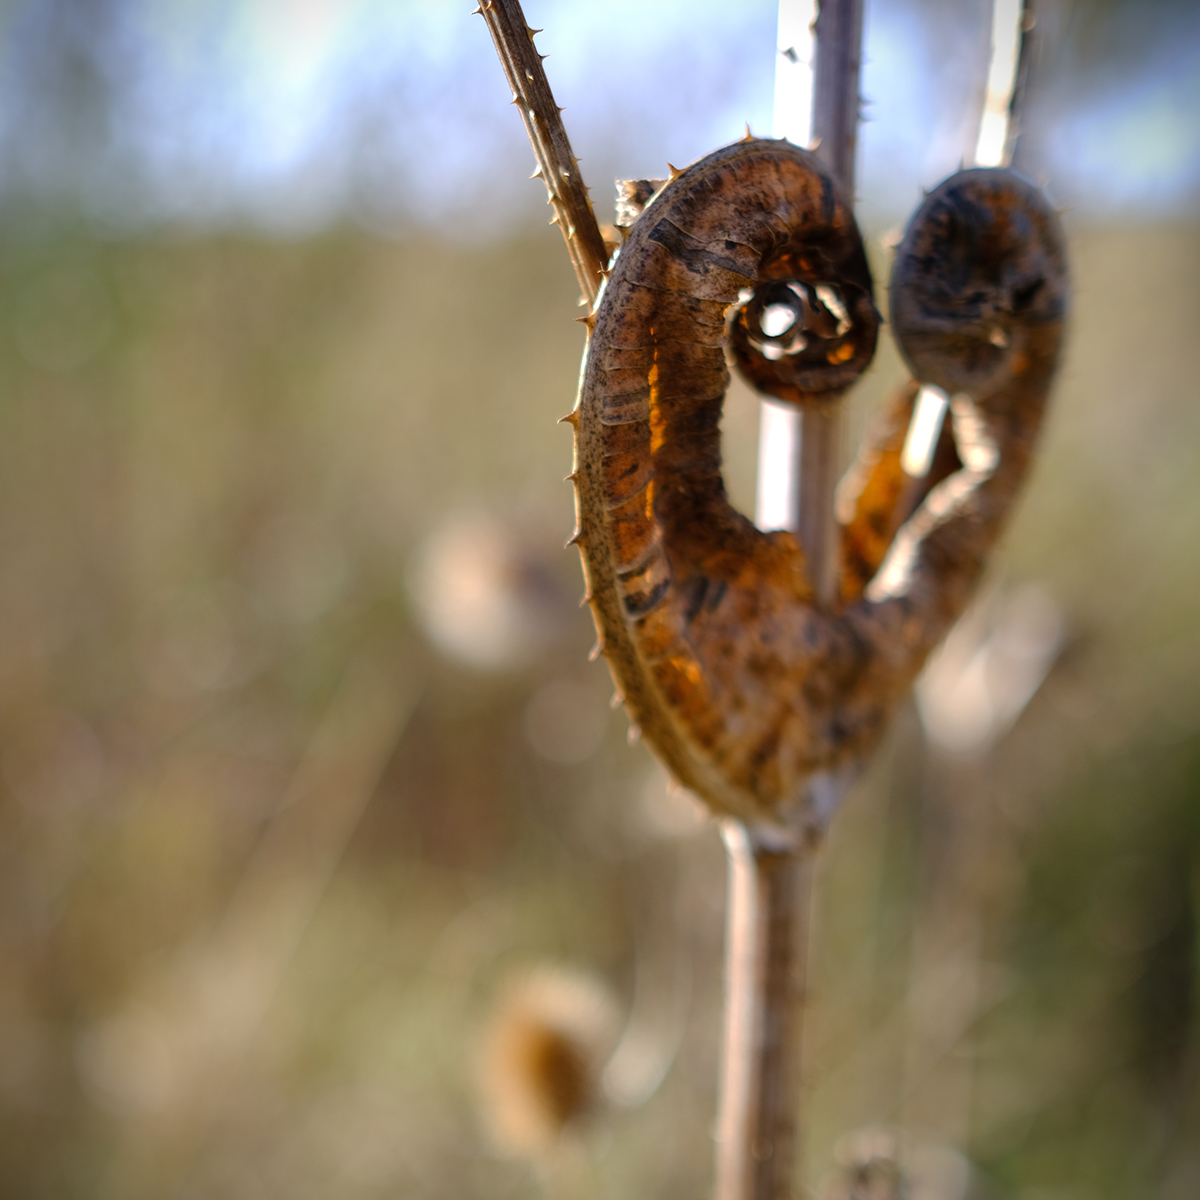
(751,258)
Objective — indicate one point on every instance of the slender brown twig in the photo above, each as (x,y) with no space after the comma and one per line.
(766,955)
(995,141)
(836,69)
(771,869)
(557,166)
(816,528)
(1025,56)
(836,66)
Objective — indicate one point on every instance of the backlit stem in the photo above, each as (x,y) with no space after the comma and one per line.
(837,57)
(770,870)
(770,890)
(557,166)
(1013,46)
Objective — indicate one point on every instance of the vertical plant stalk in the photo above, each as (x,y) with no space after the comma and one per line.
(557,166)
(836,68)
(835,86)
(770,890)
(771,870)
(816,528)
(996,141)
(779,446)
(1029,49)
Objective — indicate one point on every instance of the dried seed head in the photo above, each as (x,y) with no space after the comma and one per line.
(869,1168)
(487,588)
(980,270)
(542,1056)
(804,333)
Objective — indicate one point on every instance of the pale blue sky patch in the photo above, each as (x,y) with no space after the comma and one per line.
(1136,142)
(293,114)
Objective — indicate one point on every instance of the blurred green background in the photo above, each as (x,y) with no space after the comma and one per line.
(302,759)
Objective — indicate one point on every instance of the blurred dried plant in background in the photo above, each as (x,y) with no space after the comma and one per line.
(542,1058)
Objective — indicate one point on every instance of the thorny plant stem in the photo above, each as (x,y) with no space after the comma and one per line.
(766,952)
(1028,50)
(770,877)
(816,527)
(557,166)
(838,52)
(994,140)
(838,34)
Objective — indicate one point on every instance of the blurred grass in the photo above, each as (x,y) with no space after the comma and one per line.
(217,459)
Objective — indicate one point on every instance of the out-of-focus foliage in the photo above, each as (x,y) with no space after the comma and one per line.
(268,857)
